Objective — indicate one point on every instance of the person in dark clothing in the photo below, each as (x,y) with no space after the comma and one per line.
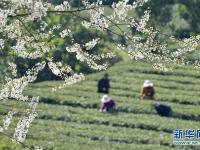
(104,84)
(163,110)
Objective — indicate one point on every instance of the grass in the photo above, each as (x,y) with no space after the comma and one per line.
(69,118)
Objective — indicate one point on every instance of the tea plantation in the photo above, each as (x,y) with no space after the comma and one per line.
(69,119)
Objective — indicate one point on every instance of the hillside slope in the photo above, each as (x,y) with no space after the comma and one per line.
(69,118)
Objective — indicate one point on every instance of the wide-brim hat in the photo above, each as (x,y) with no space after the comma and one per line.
(105,99)
(147,83)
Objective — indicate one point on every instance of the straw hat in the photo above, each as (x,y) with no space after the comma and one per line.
(105,99)
(147,83)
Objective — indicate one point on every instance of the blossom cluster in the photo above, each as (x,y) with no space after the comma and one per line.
(62,7)
(97,20)
(1,43)
(23,124)
(187,45)
(22,127)
(7,120)
(85,57)
(75,78)
(121,9)
(65,33)
(39,10)
(91,44)
(14,87)
(58,69)
(13,68)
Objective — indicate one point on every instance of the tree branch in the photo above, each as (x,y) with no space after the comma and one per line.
(24,145)
(53,11)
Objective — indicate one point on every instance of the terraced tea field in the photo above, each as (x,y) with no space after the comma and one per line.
(68,119)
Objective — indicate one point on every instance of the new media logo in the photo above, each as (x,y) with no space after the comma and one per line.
(186,137)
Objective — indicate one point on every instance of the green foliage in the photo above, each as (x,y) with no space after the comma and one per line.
(179,18)
(69,118)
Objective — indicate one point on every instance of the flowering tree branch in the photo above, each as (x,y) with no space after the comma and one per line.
(33,43)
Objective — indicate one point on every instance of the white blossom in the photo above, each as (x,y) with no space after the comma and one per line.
(13,68)
(187,45)
(39,10)
(7,121)
(91,44)
(13,88)
(43,26)
(121,9)
(97,19)
(70,80)
(65,33)
(85,57)
(3,18)
(62,7)
(23,126)
(1,43)
(142,24)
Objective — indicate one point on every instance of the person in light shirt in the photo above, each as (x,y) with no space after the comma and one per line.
(107,104)
(147,91)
